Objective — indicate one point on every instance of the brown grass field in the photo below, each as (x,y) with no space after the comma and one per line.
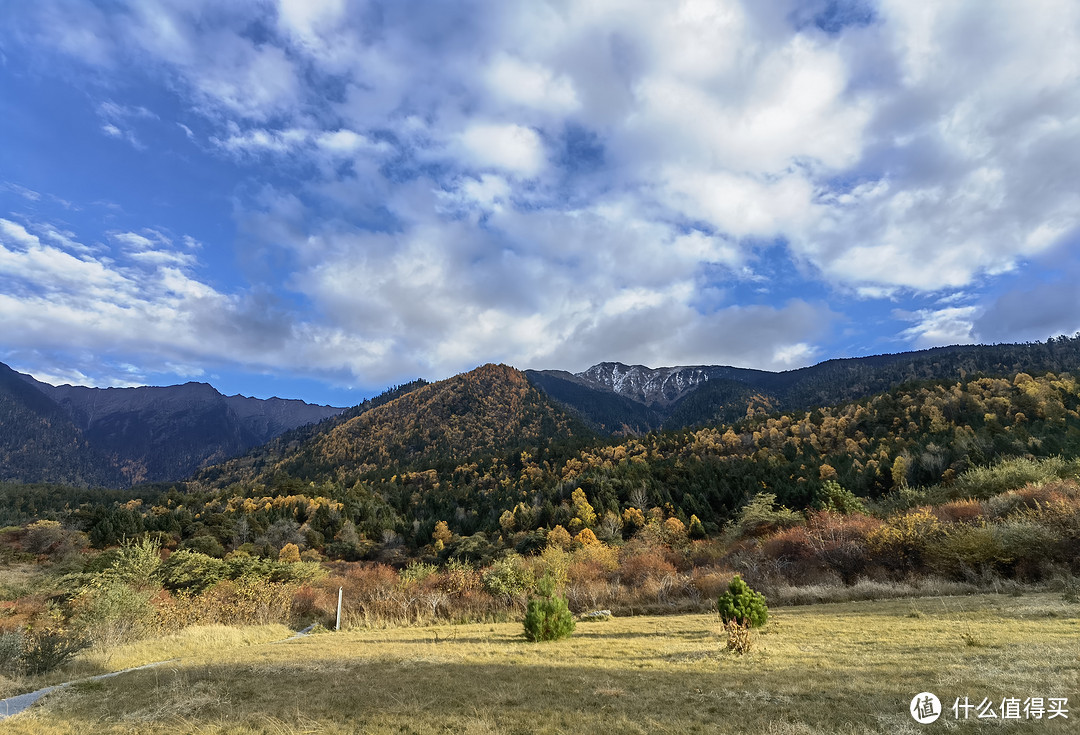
(829,668)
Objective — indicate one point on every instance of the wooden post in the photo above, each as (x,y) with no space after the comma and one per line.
(337,625)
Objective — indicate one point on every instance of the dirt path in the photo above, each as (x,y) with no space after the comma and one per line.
(14,705)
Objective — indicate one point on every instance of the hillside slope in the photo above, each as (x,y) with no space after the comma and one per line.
(489,410)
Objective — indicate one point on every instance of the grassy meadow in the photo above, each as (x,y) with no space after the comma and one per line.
(848,667)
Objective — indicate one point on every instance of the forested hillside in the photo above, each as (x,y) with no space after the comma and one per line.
(484,452)
(487,452)
(490,411)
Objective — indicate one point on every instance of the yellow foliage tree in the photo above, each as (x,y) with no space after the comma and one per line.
(442,533)
(289,553)
(586,538)
(559,537)
(633,518)
(675,529)
(582,508)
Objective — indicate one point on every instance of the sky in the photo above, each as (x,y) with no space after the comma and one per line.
(321,199)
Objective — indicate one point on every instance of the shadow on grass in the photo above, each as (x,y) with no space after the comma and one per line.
(329,693)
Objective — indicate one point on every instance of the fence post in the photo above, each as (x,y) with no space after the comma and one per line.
(337,625)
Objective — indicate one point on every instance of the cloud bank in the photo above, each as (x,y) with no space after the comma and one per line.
(551,184)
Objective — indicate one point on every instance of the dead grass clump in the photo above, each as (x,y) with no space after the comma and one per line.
(639,569)
(960,511)
(711,582)
(739,638)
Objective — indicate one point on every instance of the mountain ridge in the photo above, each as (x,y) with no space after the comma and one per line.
(143,434)
(691,395)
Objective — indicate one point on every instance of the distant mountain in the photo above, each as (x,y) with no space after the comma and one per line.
(490,410)
(122,436)
(633,398)
(39,441)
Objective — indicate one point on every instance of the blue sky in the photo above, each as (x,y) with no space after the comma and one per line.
(321,199)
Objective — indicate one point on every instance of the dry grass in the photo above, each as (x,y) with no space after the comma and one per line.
(197,640)
(835,668)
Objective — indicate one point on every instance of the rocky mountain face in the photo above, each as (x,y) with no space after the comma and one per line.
(133,435)
(663,386)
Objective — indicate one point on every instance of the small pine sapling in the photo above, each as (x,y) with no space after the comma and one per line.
(743,605)
(548,618)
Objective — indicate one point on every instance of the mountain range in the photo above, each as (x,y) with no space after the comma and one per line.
(122,436)
(116,437)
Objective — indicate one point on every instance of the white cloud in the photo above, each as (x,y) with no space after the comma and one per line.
(515,82)
(512,148)
(935,327)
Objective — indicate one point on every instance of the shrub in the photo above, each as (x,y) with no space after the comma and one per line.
(559,537)
(508,577)
(289,554)
(742,605)
(45,649)
(548,617)
(49,537)
(135,563)
(710,581)
(586,538)
(838,499)
(1027,544)
(11,648)
(965,549)
(959,511)
(417,571)
(112,612)
(459,577)
(191,571)
(761,516)
(204,545)
(1010,474)
(636,569)
(904,539)
(553,562)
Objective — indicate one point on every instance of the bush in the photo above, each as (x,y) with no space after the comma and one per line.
(1010,474)
(204,545)
(112,612)
(135,563)
(904,539)
(508,577)
(191,571)
(762,516)
(742,605)
(838,499)
(48,648)
(11,648)
(548,617)
(289,554)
